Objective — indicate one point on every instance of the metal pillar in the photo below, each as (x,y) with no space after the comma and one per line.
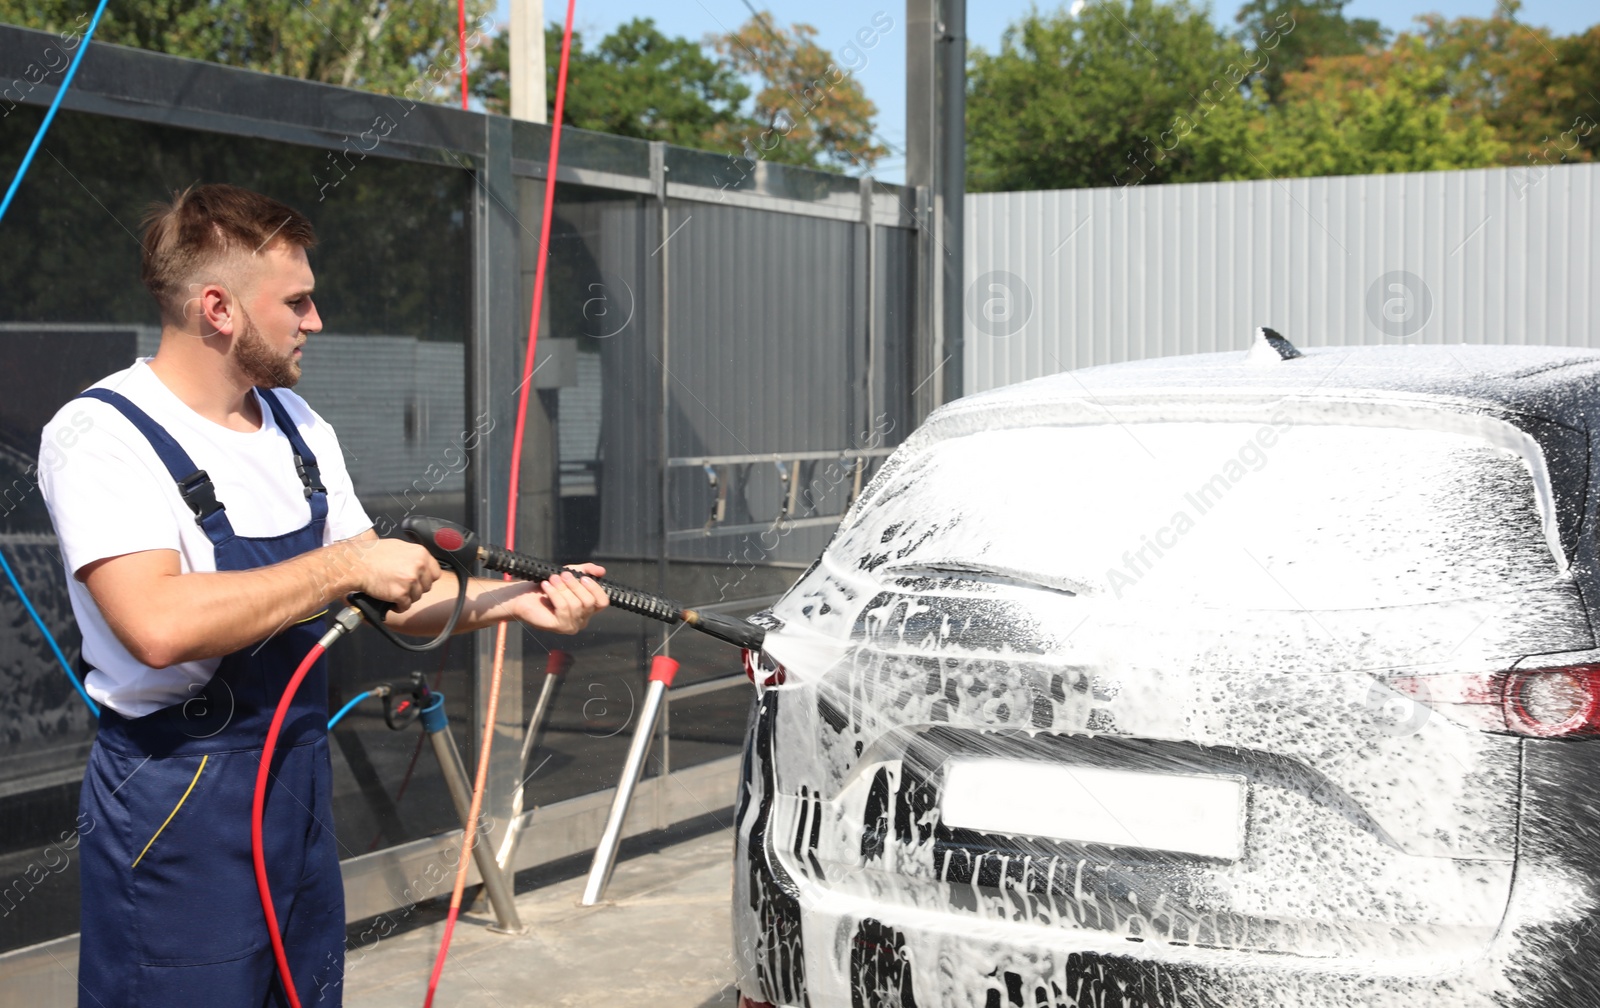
(869,319)
(936,108)
(662,669)
(555,669)
(494,367)
(528,100)
(501,897)
(658,183)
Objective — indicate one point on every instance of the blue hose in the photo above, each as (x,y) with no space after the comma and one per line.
(346,708)
(65,665)
(61,92)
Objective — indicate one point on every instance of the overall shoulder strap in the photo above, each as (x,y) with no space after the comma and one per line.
(194,486)
(305,463)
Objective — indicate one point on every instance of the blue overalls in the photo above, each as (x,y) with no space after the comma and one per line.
(171,916)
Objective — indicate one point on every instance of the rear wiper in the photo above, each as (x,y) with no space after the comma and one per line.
(990,573)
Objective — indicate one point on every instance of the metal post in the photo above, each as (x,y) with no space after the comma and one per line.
(663,745)
(662,669)
(658,181)
(501,898)
(495,368)
(555,668)
(951,191)
(870,329)
(936,52)
(528,99)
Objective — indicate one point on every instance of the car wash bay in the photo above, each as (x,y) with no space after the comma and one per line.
(719,335)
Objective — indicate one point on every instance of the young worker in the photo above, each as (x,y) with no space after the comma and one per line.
(208,523)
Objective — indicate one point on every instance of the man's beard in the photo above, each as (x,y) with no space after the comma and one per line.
(260,363)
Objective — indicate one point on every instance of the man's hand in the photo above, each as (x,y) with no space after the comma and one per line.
(391,569)
(564,603)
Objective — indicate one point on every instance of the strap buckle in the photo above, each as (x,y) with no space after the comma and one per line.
(197,492)
(310,477)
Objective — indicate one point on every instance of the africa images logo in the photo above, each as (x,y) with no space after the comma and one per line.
(999,304)
(1399,304)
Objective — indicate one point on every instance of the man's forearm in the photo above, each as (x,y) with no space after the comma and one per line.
(486,605)
(210,614)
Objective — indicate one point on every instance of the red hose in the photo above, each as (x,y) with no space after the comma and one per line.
(258,807)
(538,284)
(461,43)
(469,836)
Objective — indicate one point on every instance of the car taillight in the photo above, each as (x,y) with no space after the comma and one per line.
(1557,702)
(1552,702)
(745,1002)
(761,669)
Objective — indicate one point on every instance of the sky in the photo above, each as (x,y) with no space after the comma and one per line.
(884,74)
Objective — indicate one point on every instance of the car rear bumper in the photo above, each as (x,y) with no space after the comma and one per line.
(840,949)
(811,928)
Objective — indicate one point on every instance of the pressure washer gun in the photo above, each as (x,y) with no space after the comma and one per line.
(458,549)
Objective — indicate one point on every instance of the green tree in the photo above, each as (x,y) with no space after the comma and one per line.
(1539,93)
(1328,125)
(807,109)
(1563,121)
(637,82)
(1128,91)
(1529,85)
(395,47)
(1315,28)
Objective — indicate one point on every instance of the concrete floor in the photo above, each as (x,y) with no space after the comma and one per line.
(662,939)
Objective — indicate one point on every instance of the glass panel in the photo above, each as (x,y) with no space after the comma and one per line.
(760,300)
(768,178)
(591,716)
(589,479)
(709,727)
(582,149)
(393,272)
(588,469)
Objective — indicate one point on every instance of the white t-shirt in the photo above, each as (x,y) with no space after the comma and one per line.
(110,495)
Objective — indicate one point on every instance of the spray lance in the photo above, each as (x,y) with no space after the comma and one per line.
(456,549)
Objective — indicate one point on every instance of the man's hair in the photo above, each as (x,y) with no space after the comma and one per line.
(205,223)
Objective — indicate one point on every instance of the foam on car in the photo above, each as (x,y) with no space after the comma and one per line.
(1380,871)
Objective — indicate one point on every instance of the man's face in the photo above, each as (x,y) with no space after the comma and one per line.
(276,316)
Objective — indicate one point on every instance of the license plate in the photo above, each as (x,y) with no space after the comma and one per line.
(1184,813)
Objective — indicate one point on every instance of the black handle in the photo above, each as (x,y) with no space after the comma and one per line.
(736,632)
(374,609)
(458,548)
(455,548)
(531,568)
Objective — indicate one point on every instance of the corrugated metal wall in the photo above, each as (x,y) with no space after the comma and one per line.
(1073,278)
(753,374)
(783,356)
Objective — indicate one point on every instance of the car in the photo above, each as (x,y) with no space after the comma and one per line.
(1262,678)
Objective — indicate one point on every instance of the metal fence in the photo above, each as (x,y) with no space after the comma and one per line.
(1068,279)
(725,352)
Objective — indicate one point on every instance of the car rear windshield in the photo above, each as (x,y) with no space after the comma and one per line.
(1263,516)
